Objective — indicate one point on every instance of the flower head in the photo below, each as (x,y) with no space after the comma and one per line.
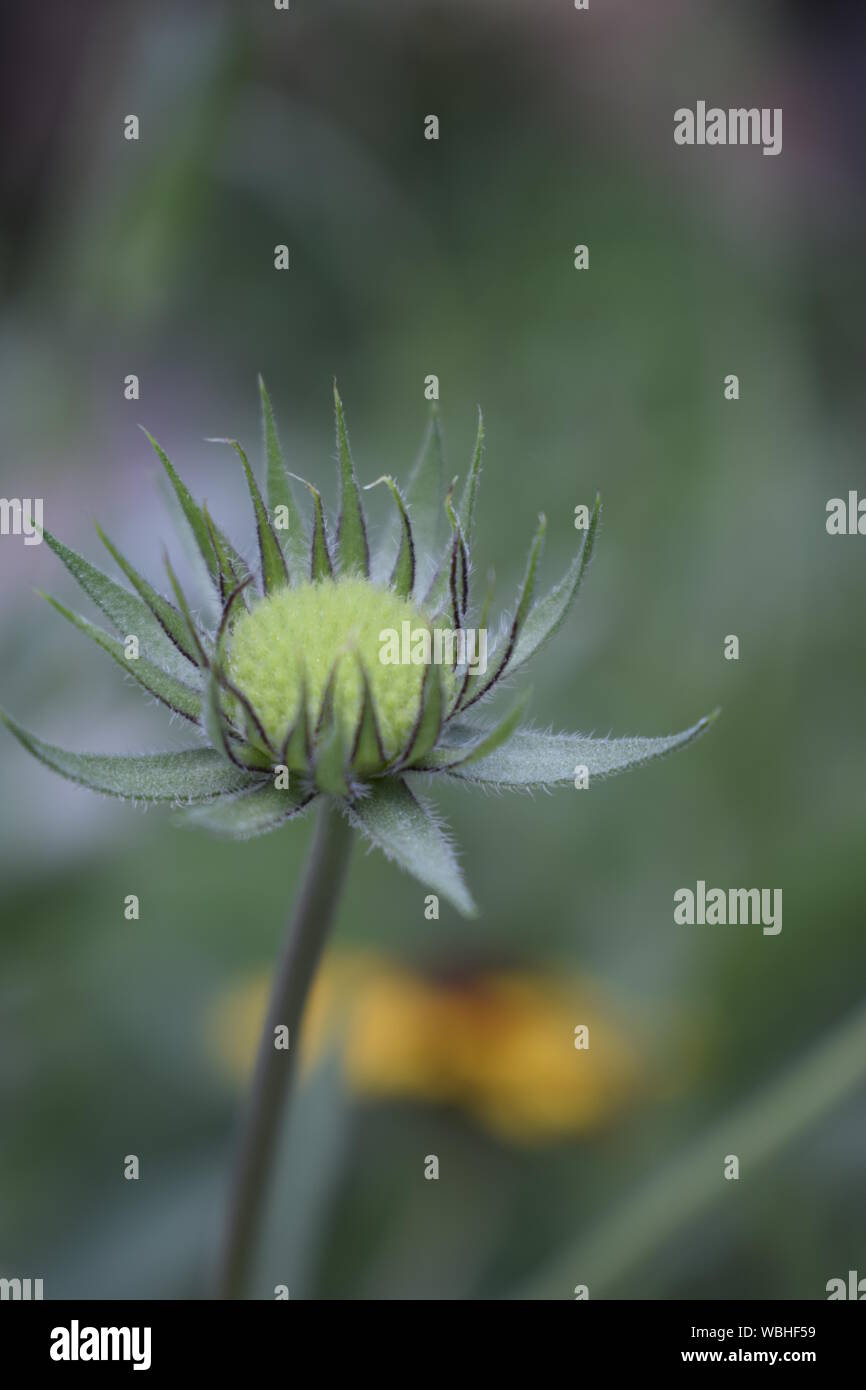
(327,674)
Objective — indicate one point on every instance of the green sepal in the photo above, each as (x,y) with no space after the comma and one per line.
(469,496)
(533,758)
(319,564)
(297,751)
(428,725)
(254,812)
(403,574)
(233,570)
(331,758)
(424,501)
(179,697)
(480,745)
(275,574)
(440,586)
(190,509)
(293,539)
(170,620)
(353,552)
(394,820)
(223,736)
(524,601)
(125,611)
(186,613)
(192,775)
(551,611)
(368,753)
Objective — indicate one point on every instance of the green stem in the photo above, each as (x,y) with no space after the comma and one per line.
(275,1068)
(754,1132)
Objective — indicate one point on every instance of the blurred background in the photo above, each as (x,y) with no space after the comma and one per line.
(411,257)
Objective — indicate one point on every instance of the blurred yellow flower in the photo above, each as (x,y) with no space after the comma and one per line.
(501,1044)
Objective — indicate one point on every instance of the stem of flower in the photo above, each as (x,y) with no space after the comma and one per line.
(274,1071)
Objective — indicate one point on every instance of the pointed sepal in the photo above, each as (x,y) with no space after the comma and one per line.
(405,829)
(403,574)
(170,620)
(126,612)
(319,564)
(292,535)
(190,509)
(275,575)
(175,694)
(192,775)
(353,552)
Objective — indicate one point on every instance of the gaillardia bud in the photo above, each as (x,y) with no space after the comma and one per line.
(323,643)
(290,691)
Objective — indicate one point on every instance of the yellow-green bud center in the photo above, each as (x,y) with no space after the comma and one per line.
(295,638)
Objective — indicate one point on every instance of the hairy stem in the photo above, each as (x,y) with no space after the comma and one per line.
(275,1068)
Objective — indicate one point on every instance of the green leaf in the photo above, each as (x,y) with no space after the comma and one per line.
(193,775)
(178,696)
(480,745)
(404,828)
(551,611)
(533,758)
(255,812)
(170,620)
(191,511)
(352,548)
(125,611)
(294,537)
(403,575)
(275,574)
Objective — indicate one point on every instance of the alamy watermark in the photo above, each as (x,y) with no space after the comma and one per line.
(77,1343)
(20,1290)
(718,907)
(739,125)
(464,647)
(22,516)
